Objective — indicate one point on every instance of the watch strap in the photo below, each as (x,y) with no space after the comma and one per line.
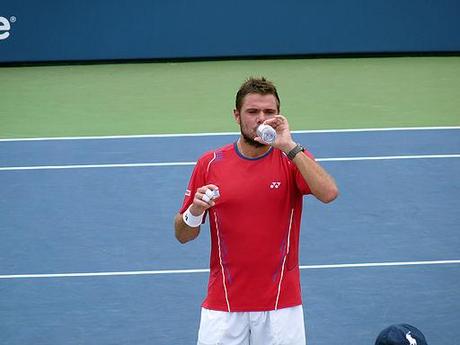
(298,148)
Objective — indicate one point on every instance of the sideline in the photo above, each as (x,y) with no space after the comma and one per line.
(189,271)
(140,136)
(170,164)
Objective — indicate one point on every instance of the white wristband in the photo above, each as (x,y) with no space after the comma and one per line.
(191,220)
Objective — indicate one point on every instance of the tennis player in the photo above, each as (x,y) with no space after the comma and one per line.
(252,193)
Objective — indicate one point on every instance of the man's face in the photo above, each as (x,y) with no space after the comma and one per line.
(254,111)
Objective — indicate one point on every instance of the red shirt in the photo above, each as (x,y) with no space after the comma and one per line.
(255,228)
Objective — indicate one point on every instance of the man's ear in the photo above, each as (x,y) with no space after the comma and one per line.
(236,115)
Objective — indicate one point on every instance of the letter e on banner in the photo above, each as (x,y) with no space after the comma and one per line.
(4,28)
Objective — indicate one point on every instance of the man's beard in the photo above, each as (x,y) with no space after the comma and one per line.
(250,140)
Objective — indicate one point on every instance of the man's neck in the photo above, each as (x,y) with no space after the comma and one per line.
(250,151)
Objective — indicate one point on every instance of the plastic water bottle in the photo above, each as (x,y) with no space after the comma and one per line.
(267,133)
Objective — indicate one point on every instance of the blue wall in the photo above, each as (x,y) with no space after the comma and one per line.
(57,30)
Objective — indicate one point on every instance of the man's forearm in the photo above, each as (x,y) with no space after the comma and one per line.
(321,184)
(184,233)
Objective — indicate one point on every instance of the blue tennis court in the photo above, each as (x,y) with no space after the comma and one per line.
(88,254)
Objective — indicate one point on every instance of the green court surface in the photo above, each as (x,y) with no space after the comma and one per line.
(184,97)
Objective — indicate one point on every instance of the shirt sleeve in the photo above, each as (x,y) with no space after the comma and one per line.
(196,180)
(302,185)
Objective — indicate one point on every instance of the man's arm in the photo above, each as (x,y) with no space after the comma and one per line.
(184,232)
(321,184)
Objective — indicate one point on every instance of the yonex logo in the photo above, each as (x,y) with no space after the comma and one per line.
(411,340)
(5,27)
(188,192)
(275,185)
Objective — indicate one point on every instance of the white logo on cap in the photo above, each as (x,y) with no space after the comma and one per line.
(411,340)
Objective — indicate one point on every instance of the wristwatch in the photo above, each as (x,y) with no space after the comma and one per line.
(298,148)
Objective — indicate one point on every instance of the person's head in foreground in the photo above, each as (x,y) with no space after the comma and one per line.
(401,334)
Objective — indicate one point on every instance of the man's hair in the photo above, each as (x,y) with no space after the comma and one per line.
(260,86)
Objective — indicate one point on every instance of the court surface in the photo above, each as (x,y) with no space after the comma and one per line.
(88,254)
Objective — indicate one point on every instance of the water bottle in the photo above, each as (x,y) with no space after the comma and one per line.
(267,133)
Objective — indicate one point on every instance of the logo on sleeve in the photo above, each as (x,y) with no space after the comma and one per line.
(188,192)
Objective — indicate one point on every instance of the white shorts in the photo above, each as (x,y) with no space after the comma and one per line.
(277,327)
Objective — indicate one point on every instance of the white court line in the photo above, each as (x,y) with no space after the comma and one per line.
(92,166)
(205,270)
(377,158)
(168,164)
(178,135)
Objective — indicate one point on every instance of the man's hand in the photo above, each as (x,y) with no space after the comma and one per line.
(283,140)
(203,201)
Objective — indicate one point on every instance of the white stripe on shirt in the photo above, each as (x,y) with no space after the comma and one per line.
(284,260)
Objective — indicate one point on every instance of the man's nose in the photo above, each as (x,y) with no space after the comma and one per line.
(262,116)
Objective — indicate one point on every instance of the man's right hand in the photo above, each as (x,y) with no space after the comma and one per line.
(184,232)
(199,206)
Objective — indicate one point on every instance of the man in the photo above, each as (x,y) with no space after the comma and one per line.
(252,193)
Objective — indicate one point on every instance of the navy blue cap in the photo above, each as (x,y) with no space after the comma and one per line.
(401,334)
